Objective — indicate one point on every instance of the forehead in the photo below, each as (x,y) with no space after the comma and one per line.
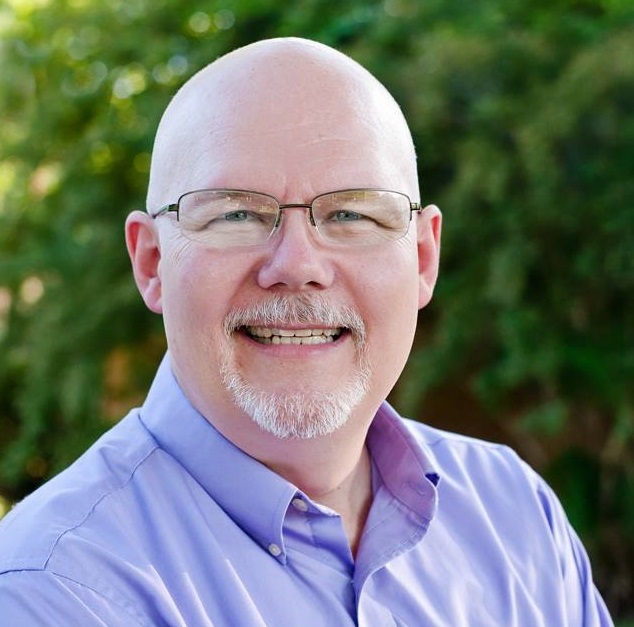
(312,119)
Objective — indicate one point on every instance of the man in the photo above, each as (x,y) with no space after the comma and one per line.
(265,481)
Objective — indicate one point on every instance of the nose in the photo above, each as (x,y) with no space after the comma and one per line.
(296,260)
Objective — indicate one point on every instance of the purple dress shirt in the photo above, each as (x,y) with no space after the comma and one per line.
(165,522)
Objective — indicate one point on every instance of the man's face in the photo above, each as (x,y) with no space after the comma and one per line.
(296,335)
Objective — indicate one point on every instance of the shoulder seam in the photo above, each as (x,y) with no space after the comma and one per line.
(432,437)
(81,584)
(94,506)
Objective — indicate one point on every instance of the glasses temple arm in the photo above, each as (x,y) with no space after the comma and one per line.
(165,209)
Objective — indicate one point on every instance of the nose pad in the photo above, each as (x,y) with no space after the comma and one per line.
(296,260)
(283,208)
(280,221)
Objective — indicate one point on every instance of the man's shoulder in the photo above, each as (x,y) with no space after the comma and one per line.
(32,530)
(452,451)
(435,436)
(489,475)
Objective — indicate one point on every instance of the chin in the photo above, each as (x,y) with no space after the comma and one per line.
(302,415)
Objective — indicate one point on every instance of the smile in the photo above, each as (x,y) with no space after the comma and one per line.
(270,335)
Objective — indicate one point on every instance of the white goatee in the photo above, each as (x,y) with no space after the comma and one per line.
(308,413)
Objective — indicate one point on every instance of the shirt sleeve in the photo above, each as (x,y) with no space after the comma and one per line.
(584,604)
(34,598)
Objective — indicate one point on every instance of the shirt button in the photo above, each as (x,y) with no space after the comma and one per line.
(300,504)
(275,550)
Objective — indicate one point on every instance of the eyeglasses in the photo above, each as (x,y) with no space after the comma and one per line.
(225,218)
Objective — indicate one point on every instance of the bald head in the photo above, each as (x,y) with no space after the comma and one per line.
(290,117)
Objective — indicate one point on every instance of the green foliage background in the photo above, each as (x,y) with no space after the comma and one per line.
(523,114)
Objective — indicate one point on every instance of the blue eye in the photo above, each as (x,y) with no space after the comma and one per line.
(236,216)
(346,216)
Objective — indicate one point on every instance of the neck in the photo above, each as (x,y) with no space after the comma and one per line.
(333,470)
(346,488)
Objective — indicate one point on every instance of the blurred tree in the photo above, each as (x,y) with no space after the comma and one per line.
(522,115)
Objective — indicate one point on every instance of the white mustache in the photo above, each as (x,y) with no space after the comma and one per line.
(285,309)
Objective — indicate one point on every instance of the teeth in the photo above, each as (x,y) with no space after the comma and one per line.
(303,333)
(283,332)
(266,335)
(284,339)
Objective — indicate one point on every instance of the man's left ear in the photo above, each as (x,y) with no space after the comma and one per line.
(428,227)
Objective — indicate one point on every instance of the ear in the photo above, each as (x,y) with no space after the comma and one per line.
(428,227)
(145,253)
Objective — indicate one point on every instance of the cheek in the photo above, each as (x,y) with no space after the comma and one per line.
(391,311)
(192,299)
(394,284)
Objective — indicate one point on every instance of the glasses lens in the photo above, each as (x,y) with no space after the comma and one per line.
(222,218)
(362,217)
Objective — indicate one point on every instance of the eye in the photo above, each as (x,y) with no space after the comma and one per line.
(236,216)
(344,215)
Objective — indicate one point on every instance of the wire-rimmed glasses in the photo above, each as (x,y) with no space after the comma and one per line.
(224,218)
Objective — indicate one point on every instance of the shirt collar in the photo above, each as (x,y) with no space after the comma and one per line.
(254,496)
(406,468)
